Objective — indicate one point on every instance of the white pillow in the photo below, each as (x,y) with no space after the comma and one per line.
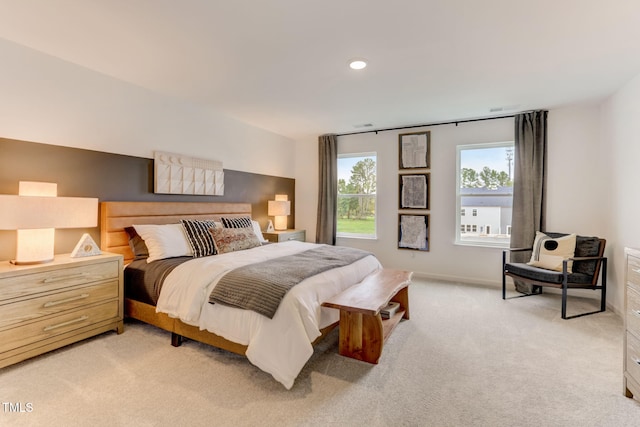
(549,253)
(164,241)
(258,231)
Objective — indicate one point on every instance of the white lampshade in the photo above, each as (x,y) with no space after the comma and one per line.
(36,212)
(28,212)
(279,208)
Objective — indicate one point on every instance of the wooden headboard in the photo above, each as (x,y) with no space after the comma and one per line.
(115,216)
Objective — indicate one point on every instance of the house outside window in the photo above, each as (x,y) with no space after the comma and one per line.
(485,186)
(357,201)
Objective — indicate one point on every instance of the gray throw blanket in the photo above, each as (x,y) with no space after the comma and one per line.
(260,287)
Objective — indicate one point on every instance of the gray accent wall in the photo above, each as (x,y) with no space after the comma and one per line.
(115,177)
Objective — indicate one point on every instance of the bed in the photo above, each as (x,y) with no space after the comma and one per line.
(279,346)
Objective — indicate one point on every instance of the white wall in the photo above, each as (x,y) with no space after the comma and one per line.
(55,102)
(620,152)
(577,184)
(577,177)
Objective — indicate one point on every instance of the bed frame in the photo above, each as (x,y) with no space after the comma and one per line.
(115,216)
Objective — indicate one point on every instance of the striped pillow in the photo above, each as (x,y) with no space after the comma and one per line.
(240,222)
(199,237)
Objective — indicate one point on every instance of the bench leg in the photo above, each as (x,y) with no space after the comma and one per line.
(361,336)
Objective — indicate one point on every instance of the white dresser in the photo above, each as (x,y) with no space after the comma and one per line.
(632,324)
(46,306)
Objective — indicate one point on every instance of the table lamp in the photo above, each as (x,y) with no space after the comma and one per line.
(36,212)
(279,208)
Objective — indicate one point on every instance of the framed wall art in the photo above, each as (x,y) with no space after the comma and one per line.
(414,191)
(415,149)
(413,232)
(178,174)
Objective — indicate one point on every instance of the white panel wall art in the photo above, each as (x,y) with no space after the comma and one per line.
(178,174)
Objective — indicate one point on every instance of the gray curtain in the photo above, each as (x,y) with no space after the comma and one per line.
(328,189)
(529,184)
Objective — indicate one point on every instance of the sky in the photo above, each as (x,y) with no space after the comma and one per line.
(495,158)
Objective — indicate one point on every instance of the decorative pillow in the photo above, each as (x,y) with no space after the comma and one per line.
(164,241)
(234,239)
(137,245)
(240,222)
(549,253)
(199,237)
(258,231)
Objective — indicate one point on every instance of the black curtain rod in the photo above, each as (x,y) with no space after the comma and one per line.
(427,125)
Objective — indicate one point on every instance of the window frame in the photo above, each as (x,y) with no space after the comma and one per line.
(458,234)
(374,236)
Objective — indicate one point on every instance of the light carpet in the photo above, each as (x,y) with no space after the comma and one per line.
(466,358)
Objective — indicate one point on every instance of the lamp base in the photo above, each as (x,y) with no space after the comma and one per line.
(34,246)
(280,222)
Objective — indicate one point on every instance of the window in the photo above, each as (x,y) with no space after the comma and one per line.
(357,195)
(485,187)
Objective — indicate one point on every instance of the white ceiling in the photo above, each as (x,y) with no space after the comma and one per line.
(282,64)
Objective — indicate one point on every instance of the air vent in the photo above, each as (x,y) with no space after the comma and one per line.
(365,125)
(503,108)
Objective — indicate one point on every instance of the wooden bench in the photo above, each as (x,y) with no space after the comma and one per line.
(362,329)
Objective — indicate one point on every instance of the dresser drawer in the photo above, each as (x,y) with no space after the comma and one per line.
(633,311)
(40,306)
(284,236)
(633,357)
(24,285)
(294,235)
(57,325)
(633,273)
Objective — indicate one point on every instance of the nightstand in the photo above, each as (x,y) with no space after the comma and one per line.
(285,235)
(47,306)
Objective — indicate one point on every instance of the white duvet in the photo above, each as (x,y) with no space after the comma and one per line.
(280,346)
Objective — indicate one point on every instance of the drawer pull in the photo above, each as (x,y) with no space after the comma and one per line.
(70,322)
(61,278)
(63,301)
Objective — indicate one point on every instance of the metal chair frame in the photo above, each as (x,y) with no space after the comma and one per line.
(566,284)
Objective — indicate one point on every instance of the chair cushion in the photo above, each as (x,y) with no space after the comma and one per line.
(549,252)
(543,275)
(585,246)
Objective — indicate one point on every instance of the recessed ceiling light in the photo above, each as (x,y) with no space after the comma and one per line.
(357,64)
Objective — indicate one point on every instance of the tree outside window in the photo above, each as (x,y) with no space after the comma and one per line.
(357,180)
